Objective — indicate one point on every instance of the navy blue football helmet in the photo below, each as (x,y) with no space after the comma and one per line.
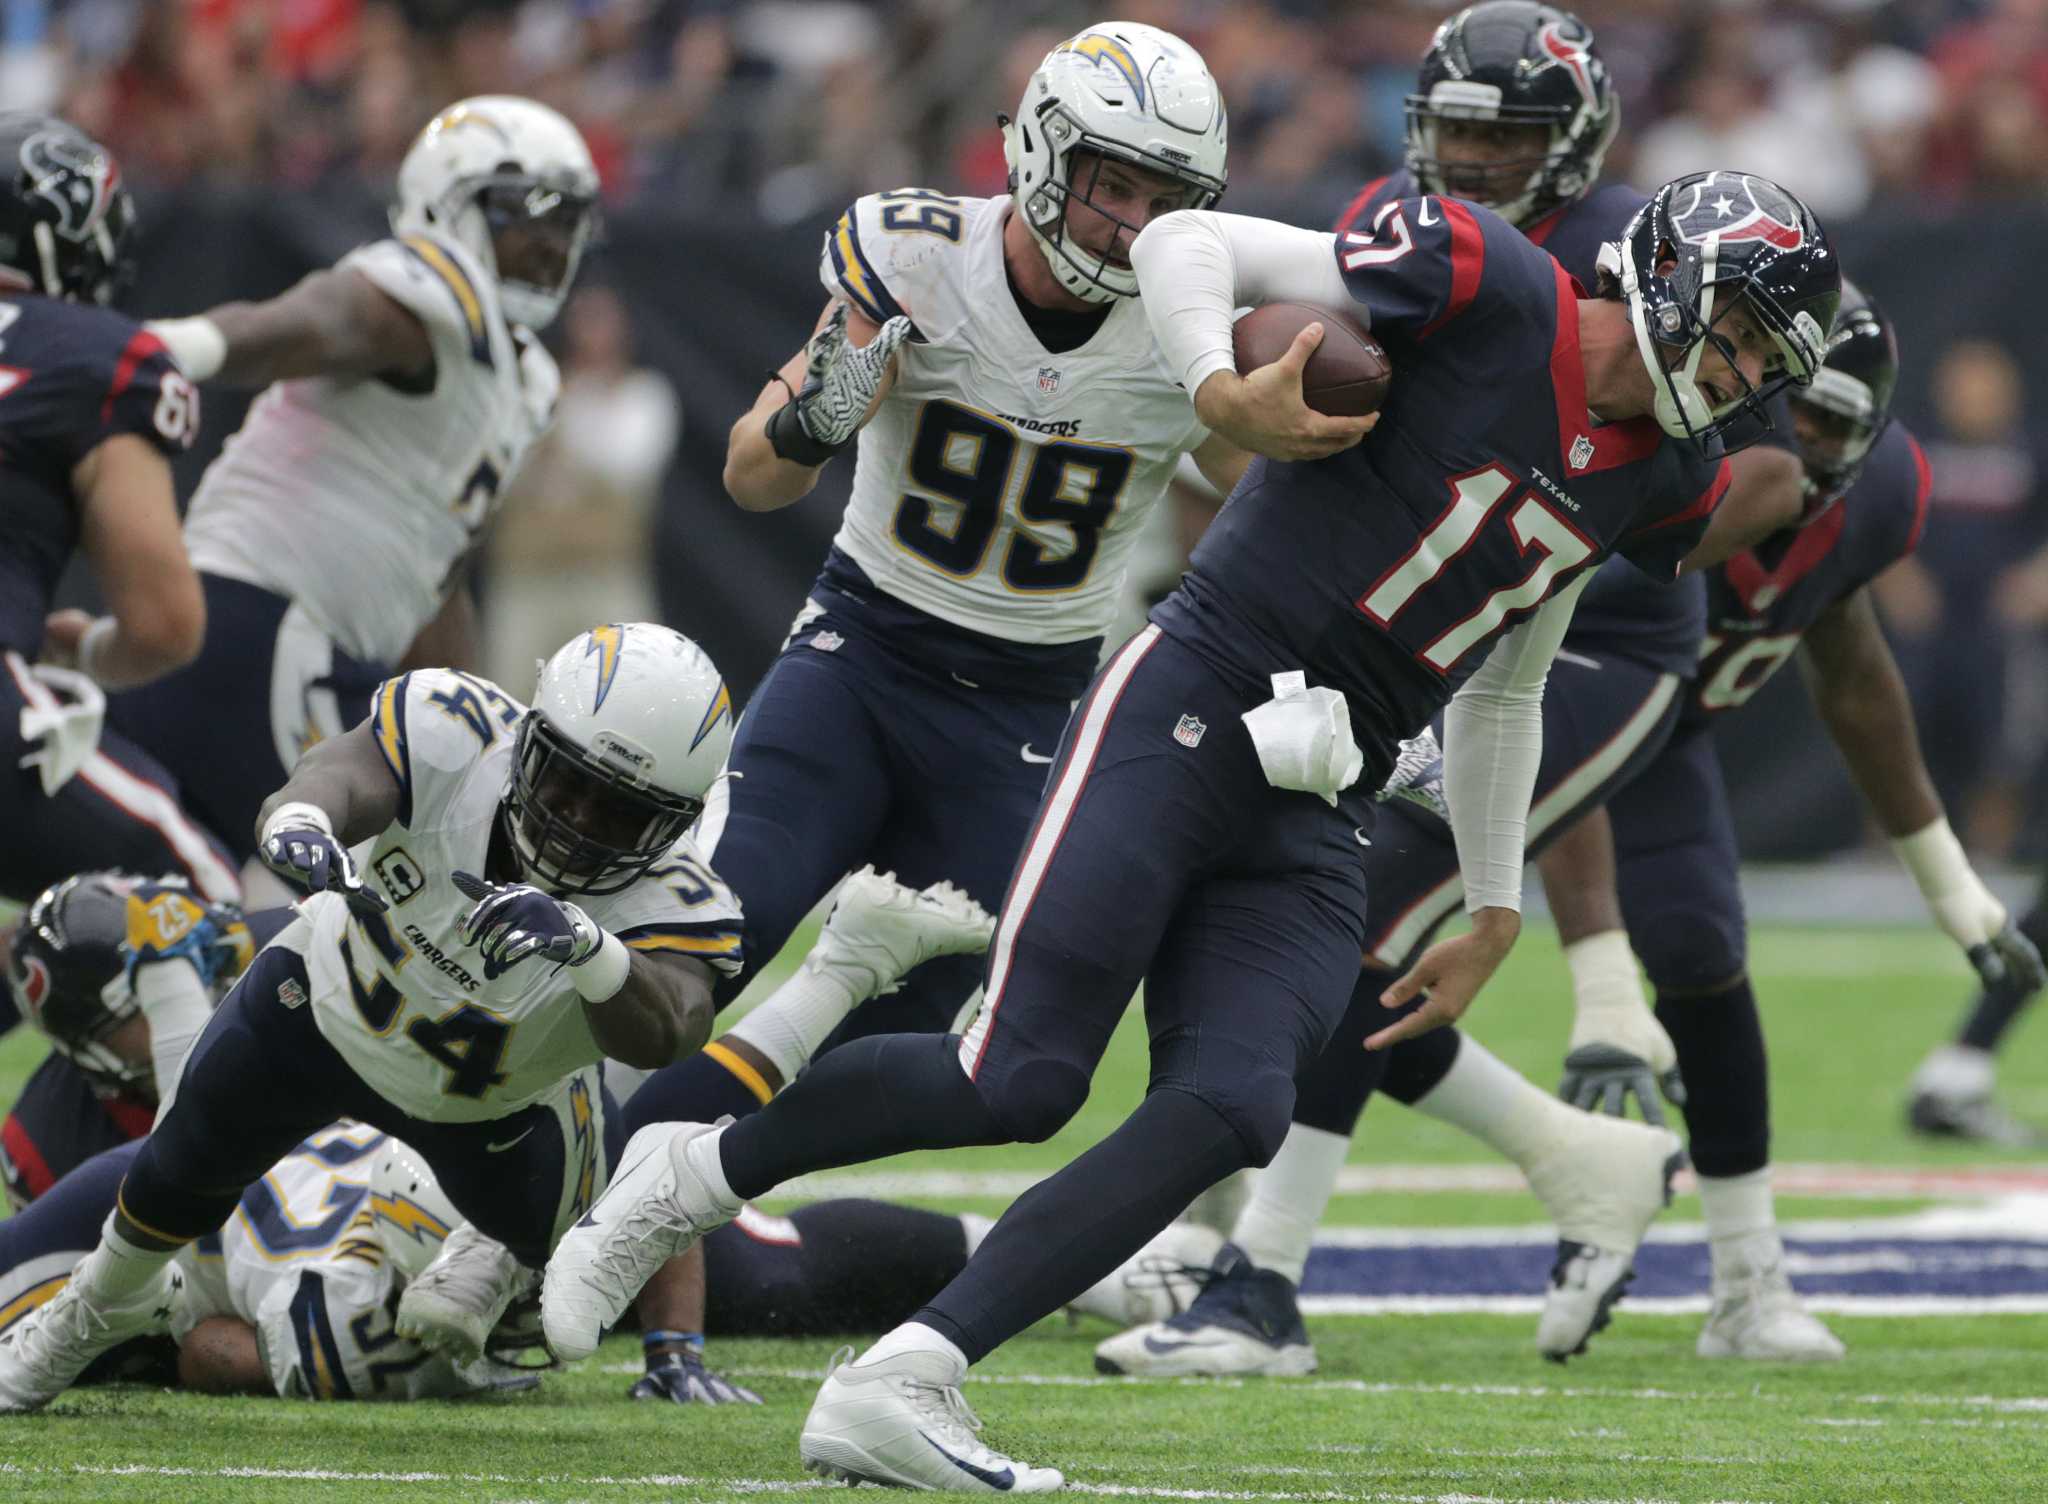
(66,223)
(1837,419)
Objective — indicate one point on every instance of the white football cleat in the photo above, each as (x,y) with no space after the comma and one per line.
(1160,1280)
(1758,1315)
(655,1207)
(458,1299)
(43,1354)
(880,930)
(1246,1322)
(1604,1185)
(903,1423)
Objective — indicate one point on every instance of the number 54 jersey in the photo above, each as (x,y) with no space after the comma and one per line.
(999,486)
(399,995)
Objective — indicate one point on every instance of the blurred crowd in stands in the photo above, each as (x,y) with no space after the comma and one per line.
(786,105)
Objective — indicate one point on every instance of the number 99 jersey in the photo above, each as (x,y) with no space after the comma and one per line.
(999,487)
(399,994)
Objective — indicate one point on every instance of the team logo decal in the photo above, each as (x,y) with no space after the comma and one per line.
(1582,453)
(1108,52)
(73,177)
(1048,380)
(1188,732)
(34,982)
(400,874)
(605,643)
(720,710)
(1730,210)
(1574,57)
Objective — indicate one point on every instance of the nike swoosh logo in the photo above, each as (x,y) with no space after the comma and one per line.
(1423,216)
(1028,755)
(1154,1345)
(516,1138)
(1005,1480)
(1358,834)
(589,1218)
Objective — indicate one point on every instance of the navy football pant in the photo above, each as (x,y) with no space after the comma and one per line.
(122,808)
(231,724)
(1160,855)
(261,1078)
(845,757)
(833,1266)
(1605,720)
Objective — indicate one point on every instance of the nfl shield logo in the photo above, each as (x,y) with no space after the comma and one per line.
(1048,380)
(1189,732)
(1582,453)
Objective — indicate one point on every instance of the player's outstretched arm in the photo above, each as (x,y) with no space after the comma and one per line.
(1766,492)
(812,408)
(1857,688)
(156,617)
(1195,269)
(662,1013)
(346,779)
(334,323)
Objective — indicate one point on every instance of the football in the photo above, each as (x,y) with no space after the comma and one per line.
(1348,374)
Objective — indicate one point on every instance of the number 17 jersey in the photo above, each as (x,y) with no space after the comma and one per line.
(1000,486)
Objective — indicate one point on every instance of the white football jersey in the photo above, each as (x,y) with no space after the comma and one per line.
(310,1258)
(356,499)
(999,486)
(400,995)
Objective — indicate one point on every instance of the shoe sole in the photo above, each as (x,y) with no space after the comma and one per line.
(1290,1363)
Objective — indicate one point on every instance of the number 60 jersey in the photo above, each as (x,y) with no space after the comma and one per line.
(399,994)
(999,485)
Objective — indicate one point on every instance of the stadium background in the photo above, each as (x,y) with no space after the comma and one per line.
(262,137)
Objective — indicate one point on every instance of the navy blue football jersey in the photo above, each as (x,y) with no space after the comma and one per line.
(72,375)
(1389,570)
(1760,603)
(1624,612)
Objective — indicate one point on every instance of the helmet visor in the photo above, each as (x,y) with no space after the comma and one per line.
(539,231)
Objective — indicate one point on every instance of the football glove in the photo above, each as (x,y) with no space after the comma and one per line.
(1968,912)
(214,939)
(682,1377)
(299,845)
(2009,957)
(1602,1078)
(840,383)
(512,921)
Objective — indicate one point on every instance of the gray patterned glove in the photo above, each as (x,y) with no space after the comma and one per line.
(839,384)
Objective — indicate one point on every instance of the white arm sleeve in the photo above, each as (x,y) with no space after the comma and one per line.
(177,1005)
(1493,741)
(1197,268)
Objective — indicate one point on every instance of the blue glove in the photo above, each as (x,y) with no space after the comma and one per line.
(178,926)
(680,1375)
(299,845)
(512,921)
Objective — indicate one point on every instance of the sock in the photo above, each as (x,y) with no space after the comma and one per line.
(789,1026)
(703,1157)
(976,1229)
(866,1099)
(1607,990)
(1738,1211)
(1288,1199)
(1993,1015)
(1720,1041)
(1956,1070)
(1071,1229)
(709,1085)
(1498,1106)
(914,1337)
(117,1271)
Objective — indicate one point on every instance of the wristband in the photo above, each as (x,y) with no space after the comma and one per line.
(1935,858)
(298,816)
(196,344)
(604,973)
(92,645)
(791,441)
(650,1340)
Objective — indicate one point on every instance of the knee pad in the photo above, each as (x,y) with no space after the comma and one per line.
(1037,1099)
(1691,949)
(1259,1109)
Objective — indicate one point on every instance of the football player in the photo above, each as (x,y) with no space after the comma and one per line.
(1206,822)
(529,906)
(91,409)
(1013,424)
(1513,107)
(405,384)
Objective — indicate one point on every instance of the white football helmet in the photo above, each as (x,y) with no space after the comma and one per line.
(412,1215)
(629,728)
(497,161)
(1125,91)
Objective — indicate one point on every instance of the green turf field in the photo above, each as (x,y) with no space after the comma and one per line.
(1410,1408)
